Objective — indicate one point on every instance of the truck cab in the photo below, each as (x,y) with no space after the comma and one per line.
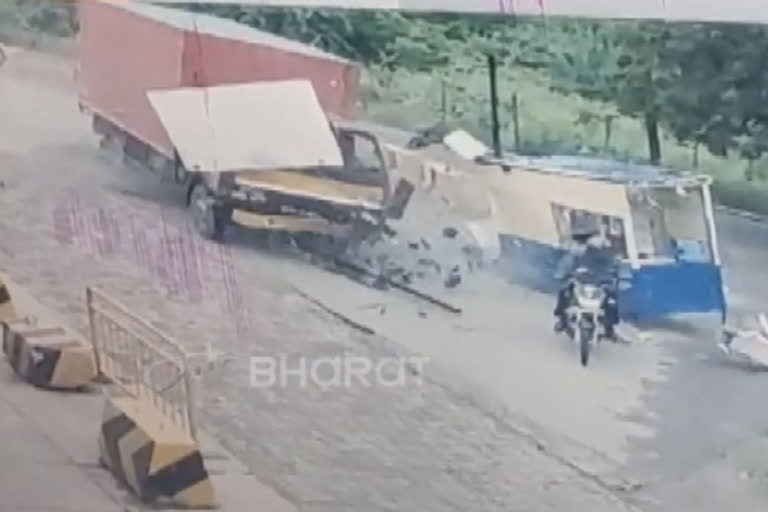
(308,176)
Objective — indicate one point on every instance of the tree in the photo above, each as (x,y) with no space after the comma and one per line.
(619,63)
(56,18)
(720,99)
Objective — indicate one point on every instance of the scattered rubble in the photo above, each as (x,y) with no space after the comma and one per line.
(452,254)
(628,333)
(430,263)
(381,308)
(749,343)
(380,283)
(453,280)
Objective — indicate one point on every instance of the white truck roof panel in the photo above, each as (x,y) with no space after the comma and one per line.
(253,126)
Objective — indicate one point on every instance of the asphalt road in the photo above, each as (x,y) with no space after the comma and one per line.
(507,421)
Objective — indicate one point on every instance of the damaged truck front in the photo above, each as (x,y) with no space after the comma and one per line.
(239,117)
(264,155)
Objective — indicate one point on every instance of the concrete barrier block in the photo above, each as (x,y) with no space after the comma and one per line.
(51,357)
(157,460)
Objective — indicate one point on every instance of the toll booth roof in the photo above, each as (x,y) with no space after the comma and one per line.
(458,145)
(221,27)
(605,169)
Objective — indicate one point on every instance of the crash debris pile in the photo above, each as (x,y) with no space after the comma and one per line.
(441,255)
(433,246)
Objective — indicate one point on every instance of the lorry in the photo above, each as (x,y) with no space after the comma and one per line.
(259,130)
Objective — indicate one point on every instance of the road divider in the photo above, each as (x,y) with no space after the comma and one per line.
(39,348)
(157,460)
(48,356)
(148,432)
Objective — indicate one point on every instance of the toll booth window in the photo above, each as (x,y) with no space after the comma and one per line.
(611,228)
(670,224)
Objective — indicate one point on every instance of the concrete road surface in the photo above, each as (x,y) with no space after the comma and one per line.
(506,419)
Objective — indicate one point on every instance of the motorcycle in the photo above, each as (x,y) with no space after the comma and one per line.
(585,318)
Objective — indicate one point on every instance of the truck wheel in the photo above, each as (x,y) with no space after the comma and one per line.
(210,220)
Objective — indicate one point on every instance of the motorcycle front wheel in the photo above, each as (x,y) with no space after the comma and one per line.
(585,343)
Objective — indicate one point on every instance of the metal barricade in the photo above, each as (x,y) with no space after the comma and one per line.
(140,360)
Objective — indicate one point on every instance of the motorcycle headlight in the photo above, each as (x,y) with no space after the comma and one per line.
(590,292)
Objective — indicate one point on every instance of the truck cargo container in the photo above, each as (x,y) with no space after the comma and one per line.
(214,103)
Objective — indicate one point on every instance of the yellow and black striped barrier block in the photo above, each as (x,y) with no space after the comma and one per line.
(48,357)
(157,460)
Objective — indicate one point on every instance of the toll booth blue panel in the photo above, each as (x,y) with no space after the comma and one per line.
(656,291)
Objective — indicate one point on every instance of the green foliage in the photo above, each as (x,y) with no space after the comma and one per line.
(51,17)
(719,94)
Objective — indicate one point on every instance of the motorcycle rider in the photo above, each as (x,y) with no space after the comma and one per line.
(590,250)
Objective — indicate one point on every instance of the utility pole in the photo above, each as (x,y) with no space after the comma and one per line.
(516,121)
(443,100)
(495,125)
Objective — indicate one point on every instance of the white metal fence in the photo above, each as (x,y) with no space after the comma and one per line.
(141,361)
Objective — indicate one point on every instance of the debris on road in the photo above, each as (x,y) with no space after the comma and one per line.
(453,280)
(430,263)
(450,232)
(381,308)
(749,344)
(628,333)
(763,322)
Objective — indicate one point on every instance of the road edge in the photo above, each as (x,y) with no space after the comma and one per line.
(743,214)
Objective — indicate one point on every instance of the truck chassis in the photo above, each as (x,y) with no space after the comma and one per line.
(215,200)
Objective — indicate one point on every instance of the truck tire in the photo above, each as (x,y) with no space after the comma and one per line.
(209,218)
